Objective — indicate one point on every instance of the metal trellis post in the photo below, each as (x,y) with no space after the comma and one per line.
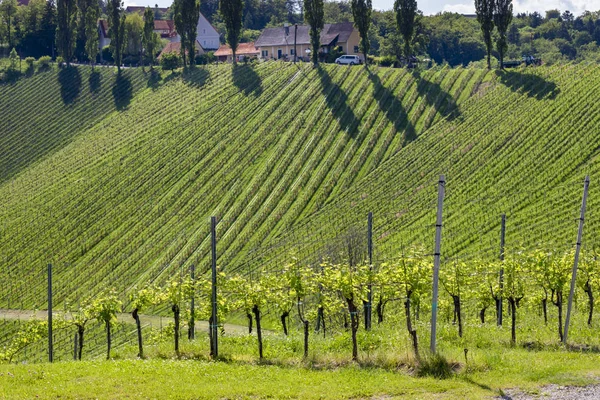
(214,350)
(502,235)
(436,262)
(586,186)
(369,304)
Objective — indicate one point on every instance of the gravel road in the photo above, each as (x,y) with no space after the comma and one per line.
(556,392)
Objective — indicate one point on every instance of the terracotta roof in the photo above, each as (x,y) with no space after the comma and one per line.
(282,36)
(103,24)
(244,49)
(175,47)
(141,9)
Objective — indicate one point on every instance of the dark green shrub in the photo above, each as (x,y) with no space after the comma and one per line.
(170,61)
(44,62)
(436,366)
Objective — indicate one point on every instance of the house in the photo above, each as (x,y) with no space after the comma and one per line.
(207,35)
(175,47)
(278,43)
(104,38)
(166,30)
(244,50)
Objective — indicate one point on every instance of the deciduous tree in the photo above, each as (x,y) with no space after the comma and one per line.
(149,38)
(485,17)
(314,17)
(66,28)
(232,12)
(406,15)
(361,11)
(116,23)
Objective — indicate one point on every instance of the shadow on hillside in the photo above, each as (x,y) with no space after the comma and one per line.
(95,81)
(529,84)
(195,77)
(337,101)
(122,91)
(434,95)
(153,79)
(246,80)
(69,79)
(393,108)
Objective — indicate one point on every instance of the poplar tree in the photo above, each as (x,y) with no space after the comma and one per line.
(232,12)
(185,16)
(8,9)
(66,26)
(361,11)
(116,23)
(89,12)
(406,15)
(503,15)
(485,17)
(149,37)
(314,16)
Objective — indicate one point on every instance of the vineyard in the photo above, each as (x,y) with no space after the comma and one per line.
(117,194)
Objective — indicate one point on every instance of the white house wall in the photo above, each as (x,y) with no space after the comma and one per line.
(207,36)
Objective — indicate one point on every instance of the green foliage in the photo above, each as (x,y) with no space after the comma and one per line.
(231,11)
(503,14)
(314,17)
(361,12)
(66,28)
(105,307)
(406,15)
(170,61)
(134,30)
(116,23)
(44,62)
(435,366)
(150,39)
(13,60)
(89,12)
(485,17)
(30,333)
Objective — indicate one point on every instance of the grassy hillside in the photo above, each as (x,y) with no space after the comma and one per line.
(125,197)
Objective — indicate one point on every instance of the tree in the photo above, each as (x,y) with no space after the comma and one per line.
(149,38)
(48,27)
(232,12)
(314,16)
(105,309)
(66,29)
(503,15)
(89,12)
(134,30)
(361,11)
(170,61)
(406,14)
(485,17)
(116,23)
(8,8)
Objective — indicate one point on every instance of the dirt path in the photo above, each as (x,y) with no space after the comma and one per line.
(154,320)
(556,392)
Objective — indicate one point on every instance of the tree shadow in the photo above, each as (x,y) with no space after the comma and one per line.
(436,96)
(153,79)
(95,81)
(393,108)
(69,79)
(531,85)
(337,102)
(122,91)
(197,77)
(246,80)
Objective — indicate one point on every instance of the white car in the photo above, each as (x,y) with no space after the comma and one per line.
(351,60)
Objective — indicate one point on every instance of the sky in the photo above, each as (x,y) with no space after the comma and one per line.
(460,6)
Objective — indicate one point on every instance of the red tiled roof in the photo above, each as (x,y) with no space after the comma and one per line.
(163,25)
(244,49)
(175,47)
(103,26)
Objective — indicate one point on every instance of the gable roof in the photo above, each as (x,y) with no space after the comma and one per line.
(244,49)
(103,26)
(281,36)
(175,47)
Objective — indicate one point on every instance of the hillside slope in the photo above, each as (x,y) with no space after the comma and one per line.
(127,198)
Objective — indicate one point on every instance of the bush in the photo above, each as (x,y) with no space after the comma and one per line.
(29,62)
(436,366)
(170,61)
(385,61)
(13,59)
(107,55)
(207,58)
(60,61)
(44,62)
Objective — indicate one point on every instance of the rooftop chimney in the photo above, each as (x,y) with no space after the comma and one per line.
(287,29)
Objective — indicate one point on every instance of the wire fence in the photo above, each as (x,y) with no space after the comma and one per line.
(478,231)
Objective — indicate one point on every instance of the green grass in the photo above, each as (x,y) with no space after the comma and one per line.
(202,379)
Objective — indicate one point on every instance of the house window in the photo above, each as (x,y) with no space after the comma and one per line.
(292,52)
(265,53)
(205,43)
(356,49)
(204,31)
